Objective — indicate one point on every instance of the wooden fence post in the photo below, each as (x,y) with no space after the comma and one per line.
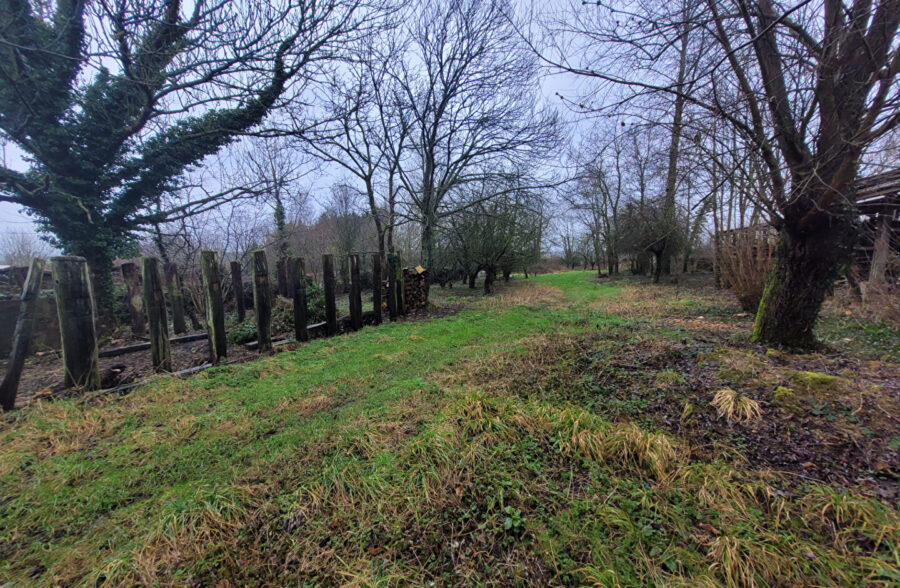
(23,333)
(135,308)
(281,275)
(215,310)
(155,303)
(297,271)
(330,307)
(399,288)
(376,287)
(237,284)
(355,294)
(262,300)
(173,285)
(391,286)
(77,321)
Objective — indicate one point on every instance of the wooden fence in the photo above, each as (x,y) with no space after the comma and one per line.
(153,289)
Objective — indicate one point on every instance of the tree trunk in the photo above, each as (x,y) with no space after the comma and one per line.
(490,274)
(472,277)
(880,255)
(803,270)
(104,296)
(428,253)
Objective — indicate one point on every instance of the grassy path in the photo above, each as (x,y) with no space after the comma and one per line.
(395,456)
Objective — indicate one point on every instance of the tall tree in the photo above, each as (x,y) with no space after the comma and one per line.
(112,101)
(469,86)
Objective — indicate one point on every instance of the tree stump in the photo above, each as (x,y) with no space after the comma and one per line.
(215,309)
(22,335)
(330,306)
(157,317)
(135,307)
(262,300)
(355,293)
(173,285)
(237,284)
(376,287)
(77,321)
(297,271)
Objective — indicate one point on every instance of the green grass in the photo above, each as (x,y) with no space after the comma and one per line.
(383,458)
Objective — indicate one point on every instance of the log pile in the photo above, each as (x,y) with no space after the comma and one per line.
(414,287)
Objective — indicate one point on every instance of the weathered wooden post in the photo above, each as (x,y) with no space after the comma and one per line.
(157,317)
(330,307)
(22,335)
(77,321)
(281,275)
(262,300)
(297,272)
(399,289)
(215,309)
(376,287)
(135,308)
(391,286)
(173,285)
(237,284)
(355,294)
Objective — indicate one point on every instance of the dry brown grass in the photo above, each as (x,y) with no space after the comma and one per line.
(523,293)
(736,407)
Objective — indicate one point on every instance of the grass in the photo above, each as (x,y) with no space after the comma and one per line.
(463,450)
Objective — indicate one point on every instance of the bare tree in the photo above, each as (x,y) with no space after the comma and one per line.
(469,87)
(809,86)
(20,247)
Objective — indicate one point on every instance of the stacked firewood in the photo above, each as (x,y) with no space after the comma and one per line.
(414,287)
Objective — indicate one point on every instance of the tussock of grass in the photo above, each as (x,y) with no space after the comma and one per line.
(736,407)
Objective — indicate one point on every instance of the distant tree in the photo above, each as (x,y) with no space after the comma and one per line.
(468,85)
(20,247)
(113,101)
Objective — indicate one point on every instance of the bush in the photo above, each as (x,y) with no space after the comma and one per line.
(242,332)
(282,316)
(745,256)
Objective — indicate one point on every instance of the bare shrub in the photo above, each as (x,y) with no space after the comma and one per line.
(745,256)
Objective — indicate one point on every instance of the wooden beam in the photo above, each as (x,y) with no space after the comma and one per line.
(330,306)
(22,335)
(77,322)
(376,287)
(173,286)
(215,309)
(237,285)
(155,303)
(262,300)
(297,271)
(135,306)
(355,293)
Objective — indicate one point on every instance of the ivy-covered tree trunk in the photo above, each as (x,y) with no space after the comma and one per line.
(805,266)
(101,267)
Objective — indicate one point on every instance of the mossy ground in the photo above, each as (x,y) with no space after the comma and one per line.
(543,436)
